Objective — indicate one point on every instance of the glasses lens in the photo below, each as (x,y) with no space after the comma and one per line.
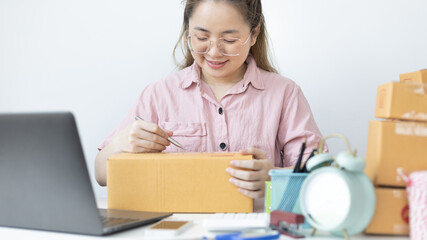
(230,46)
(226,46)
(198,44)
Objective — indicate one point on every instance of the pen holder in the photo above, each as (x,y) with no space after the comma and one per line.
(284,189)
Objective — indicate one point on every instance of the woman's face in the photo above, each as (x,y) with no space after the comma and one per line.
(210,21)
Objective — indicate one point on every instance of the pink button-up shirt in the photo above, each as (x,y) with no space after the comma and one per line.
(263,110)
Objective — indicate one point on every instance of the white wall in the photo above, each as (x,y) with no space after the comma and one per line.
(94,57)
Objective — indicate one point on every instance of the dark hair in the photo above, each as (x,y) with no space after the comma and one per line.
(252,13)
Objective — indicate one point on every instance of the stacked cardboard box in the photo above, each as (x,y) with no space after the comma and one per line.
(417,76)
(399,141)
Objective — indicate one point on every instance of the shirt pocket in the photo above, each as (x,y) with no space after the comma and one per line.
(191,135)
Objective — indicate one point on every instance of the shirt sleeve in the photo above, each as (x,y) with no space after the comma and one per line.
(297,123)
(144,108)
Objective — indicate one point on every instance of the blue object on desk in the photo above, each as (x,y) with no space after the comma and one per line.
(285,191)
(270,235)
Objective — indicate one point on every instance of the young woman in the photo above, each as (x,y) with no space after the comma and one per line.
(226,97)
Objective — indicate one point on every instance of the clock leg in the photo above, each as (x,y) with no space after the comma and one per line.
(313,232)
(345,234)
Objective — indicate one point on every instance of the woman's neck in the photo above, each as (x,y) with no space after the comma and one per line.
(220,86)
(230,80)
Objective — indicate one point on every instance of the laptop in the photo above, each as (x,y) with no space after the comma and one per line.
(44,181)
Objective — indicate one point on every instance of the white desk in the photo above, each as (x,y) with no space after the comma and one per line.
(195,232)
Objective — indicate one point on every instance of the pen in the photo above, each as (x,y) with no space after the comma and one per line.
(173,141)
(304,167)
(298,163)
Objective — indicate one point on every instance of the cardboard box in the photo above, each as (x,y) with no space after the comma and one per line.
(417,76)
(393,145)
(407,101)
(391,213)
(174,182)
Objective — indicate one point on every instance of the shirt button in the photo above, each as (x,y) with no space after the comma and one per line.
(223,146)
(220,110)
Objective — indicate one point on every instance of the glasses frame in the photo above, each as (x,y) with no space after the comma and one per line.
(218,46)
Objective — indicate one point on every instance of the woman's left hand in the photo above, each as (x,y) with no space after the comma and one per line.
(251,181)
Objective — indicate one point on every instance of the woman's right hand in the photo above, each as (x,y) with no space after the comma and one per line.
(141,136)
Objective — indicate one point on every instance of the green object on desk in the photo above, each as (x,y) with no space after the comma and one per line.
(267,203)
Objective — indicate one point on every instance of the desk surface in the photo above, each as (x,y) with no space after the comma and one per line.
(195,232)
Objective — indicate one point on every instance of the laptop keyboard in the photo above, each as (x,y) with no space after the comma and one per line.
(112,221)
(236,221)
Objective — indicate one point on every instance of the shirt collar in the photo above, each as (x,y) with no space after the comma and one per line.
(193,76)
(251,75)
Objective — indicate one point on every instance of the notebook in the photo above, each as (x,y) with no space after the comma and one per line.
(44,181)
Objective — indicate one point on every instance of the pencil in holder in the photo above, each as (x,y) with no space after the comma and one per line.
(285,190)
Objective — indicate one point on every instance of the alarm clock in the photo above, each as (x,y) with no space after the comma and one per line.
(337,196)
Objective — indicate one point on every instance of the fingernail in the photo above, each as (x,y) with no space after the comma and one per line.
(232,162)
(228,170)
(231,180)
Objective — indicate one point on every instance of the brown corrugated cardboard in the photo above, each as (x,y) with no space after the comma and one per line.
(174,182)
(392,145)
(391,213)
(417,76)
(407,101)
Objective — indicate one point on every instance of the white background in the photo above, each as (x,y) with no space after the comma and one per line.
(93,57)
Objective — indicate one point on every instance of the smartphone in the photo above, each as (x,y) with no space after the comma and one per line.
(167,228)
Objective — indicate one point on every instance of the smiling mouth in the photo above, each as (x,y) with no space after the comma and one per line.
(216,64)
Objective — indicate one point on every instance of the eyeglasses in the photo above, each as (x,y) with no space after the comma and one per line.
(227,46)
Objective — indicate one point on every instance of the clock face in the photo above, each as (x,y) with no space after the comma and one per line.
(326,198)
